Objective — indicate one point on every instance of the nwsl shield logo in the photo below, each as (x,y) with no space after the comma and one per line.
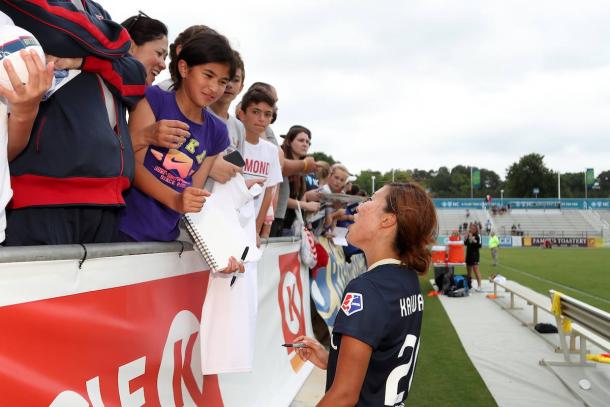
(352,303)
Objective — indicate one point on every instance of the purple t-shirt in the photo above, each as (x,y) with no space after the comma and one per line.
(145,218)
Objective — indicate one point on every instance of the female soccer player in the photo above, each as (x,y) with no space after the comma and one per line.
(376,335)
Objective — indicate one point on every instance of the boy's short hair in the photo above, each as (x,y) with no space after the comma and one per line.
(255,96)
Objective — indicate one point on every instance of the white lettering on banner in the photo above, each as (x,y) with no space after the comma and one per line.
(179,383)
(392,396)
(127,373)
(292,302)
(69,398)
(73,399)
(93,390)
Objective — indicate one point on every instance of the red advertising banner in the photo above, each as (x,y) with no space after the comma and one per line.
(130,345)
(290,298)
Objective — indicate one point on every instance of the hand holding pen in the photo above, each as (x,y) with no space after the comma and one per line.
(241,265)
(310,349)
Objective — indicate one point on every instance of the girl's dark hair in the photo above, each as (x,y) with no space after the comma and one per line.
(416,227)
(255,96)
(143,29)
(297,182)
(204,48)
(183,37)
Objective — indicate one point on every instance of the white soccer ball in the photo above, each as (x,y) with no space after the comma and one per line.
(12,40)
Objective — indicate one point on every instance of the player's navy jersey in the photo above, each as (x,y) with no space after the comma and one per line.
(382,308)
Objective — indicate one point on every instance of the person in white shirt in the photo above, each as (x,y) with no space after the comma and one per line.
(262,160)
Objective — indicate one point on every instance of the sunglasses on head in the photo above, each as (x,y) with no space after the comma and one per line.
(135,20)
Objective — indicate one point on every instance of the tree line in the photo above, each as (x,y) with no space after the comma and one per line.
(524,177)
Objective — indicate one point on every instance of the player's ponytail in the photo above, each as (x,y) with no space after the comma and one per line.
(416,226)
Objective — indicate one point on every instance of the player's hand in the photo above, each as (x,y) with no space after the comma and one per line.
(314,352)
(168,133)
(191,200)
(222,170)
(25,97)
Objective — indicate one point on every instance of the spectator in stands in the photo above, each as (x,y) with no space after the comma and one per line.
(322,173)
(68,180)
(261,156)
(353,190)
(473,245)
(374,336)
(336,185)
(494,245)
(295,146)
(169,181)
(22,102)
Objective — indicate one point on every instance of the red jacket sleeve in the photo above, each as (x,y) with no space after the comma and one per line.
(65,31)
(125,76)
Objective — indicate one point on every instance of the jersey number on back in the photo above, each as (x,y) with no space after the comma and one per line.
(392,396)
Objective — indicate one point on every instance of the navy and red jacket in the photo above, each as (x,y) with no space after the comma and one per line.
(74,155)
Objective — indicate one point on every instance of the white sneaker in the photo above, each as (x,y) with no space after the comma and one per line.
(478,290)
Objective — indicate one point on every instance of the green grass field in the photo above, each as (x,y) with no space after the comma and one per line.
(444,375)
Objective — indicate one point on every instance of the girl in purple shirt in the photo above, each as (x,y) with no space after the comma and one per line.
(169,180)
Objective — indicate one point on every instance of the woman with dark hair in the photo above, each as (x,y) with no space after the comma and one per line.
(376,334)
(295,146)
(148,43)
(473,246)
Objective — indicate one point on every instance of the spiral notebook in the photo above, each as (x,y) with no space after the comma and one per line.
(216,231)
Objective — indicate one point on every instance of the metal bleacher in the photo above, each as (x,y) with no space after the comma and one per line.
(450,219)
(545,222)
(532,222)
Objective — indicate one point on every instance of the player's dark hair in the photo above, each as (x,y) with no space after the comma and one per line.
(416,224)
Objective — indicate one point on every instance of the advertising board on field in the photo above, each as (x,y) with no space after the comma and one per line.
(125,330)
(557,241)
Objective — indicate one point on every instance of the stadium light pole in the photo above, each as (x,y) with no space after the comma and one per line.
(558,186)
(501,197)
(471,188)
(373,184)
(585,183)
